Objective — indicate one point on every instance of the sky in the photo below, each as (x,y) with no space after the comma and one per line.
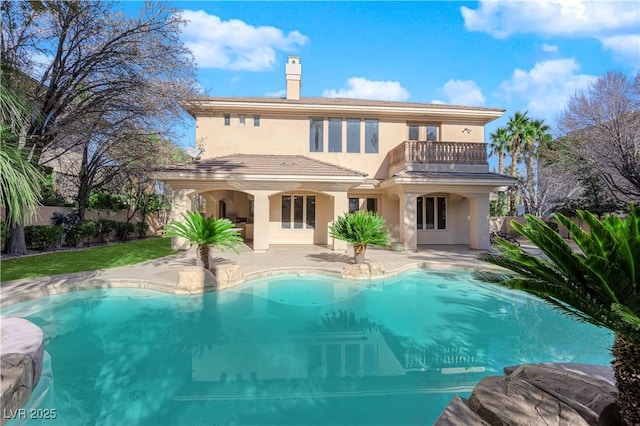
(515,55)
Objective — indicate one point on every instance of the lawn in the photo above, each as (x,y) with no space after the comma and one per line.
(90,259)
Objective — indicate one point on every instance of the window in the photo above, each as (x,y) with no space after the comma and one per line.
(414,132)
(432,133)
(302,214)
(315,134)
(256,121)
(353,135)
(227,119)
(241,119)
(354,205)
(431,213)
(335,135)
(372,205)
(371,136)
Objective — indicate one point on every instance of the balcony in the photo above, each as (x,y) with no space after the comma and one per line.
(471,153)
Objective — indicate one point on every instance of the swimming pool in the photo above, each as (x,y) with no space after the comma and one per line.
(293,350)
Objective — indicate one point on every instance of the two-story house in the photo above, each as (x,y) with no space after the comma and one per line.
(285,168)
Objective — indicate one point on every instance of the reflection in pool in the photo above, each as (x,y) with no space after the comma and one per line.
(291,350)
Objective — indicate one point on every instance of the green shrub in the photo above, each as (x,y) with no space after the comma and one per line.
(42,237)
(141,229)
(104,228)
(70,223)
(123,229)
(87,229)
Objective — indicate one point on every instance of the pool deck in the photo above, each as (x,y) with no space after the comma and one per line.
(162,274)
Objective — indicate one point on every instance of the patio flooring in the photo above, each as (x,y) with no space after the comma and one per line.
(162,274)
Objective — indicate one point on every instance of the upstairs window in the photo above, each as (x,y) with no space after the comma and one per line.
(353,135)
(256,121)
(241,119)
(227,119)
(335,135)
(371,136)
(414,132)
(316,135)
(432,133)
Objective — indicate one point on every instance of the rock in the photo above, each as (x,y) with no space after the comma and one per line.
(194,280)
(513,401)
(588,396)
(227,275)
(376,270)
(458,413)
(363,271)
(21,358)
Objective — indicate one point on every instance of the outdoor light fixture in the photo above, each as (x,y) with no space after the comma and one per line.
(466,130)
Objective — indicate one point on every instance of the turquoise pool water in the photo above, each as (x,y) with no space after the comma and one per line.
(293,350)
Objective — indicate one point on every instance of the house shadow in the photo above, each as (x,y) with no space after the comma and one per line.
(330,257)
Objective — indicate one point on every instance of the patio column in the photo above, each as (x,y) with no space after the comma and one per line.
(260,221)
(408,214)
(180,205)
(479,221)
(340,207)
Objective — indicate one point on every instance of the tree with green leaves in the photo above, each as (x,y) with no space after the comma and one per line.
(499,145)
(599,284)
(206,232)
(518,130)
(360,229)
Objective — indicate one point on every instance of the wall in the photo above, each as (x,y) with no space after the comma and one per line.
(289,134)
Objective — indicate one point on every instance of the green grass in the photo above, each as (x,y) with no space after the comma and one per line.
(66,262)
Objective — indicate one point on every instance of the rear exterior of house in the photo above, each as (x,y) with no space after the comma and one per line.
(284,168)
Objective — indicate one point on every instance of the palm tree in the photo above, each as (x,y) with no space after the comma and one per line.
(206,232)
(360,229)
(518,129)
(20,180)
(536,136)
(599,284)
(499,144)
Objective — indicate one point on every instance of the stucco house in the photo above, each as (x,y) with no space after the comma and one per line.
(285,168)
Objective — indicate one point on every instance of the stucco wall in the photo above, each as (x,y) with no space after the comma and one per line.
(290,135)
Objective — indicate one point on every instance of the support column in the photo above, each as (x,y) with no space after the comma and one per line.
(340,207)
(261,221)
(407,215)
(180,205)
(479,222)
(211,205)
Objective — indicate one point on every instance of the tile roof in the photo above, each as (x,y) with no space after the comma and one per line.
(254,164)
(340,101)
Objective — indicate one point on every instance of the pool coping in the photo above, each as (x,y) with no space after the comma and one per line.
(167,274)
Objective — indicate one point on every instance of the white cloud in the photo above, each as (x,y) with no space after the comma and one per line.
(550,48)
(568,18)
(278,94)
(626,46)
(461,92)
(361,88)
(234,44)
(438,102)
(547,86)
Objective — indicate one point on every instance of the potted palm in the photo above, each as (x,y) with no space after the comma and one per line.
(206,232)
(599,284)
(360,229)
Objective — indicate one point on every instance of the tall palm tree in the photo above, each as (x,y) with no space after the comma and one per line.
(360,229)
(600,284)
(535,136)
(518,129)
(206,232)
(498,146)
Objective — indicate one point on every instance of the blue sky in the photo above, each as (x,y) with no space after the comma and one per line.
(516,55)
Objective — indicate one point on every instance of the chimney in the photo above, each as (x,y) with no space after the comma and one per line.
(293,71)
